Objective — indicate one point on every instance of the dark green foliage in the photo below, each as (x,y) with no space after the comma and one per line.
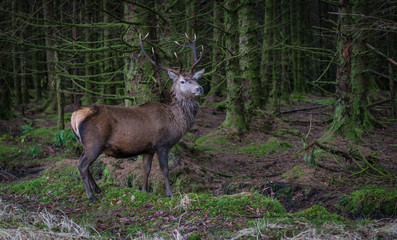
(64,138)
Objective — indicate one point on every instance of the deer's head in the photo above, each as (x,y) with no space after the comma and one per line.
(185,85)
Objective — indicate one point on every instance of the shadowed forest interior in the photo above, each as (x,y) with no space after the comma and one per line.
(296,129)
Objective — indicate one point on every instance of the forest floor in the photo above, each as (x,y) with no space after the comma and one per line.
(227,184)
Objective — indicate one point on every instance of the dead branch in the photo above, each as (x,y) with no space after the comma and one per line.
(382,54)
(7,175)
(380,74)
(378,103)
(304,109)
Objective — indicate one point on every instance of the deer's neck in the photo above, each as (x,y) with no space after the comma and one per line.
(184,113)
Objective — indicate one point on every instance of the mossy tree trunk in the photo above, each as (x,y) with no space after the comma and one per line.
(76,71)
(59,95)
(391,78)
(191,25)
(299,81)
(5,98)
(51,101)
(36,77)
(89,69)
(351,113)
(267,53)
(293,35)
(276,56)
(235,116)
(284,31)
(216,76)
(248,62)
(139,83)
(16,78)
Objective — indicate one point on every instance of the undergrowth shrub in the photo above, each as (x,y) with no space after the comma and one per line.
(372,202)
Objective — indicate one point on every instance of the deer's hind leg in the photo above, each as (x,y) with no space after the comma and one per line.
(89,155)
(147,166)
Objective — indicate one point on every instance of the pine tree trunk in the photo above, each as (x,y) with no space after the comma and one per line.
(299,83)
(16,78)
(391,80)
(276,83)
(285,89)
(216,78)
(247,61)
(235,116)
(137,69)
(293,34)
(59,96)
(49,59)
(267,55)
(36,78)
(351,114)
(76,97)
(5,99)
(89,69)
(190,25)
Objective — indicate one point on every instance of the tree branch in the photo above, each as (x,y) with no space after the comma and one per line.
(382,54)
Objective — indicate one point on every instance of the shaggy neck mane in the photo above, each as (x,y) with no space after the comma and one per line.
(183,112)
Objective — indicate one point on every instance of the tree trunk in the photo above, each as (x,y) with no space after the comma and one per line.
(36,78)
(235,116)
(299,83)
(5,99)
(391,79)
(190,25)
(89,69)
(267,53)
(216,76)
(294,42)
(276,83)
(59,96)
(285,89)
(76,97)
(49,59)
(16,78)
(351,114)
(247,60)
(138,84)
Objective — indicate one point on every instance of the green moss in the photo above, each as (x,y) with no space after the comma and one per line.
(299,97)
(295,172)
(328,101)
(109,176)
(216,140)
(8,152)
(318,214)
(239,204)
(272,145)
(372,202)
(221,105)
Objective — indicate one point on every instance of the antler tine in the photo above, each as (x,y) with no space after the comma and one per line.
(198,60)
(192,45)
(180,62)
(142,40)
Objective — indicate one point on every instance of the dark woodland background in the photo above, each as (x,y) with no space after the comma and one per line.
(295,137)
(258,54)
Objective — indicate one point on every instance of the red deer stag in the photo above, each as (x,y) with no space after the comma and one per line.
(148,129)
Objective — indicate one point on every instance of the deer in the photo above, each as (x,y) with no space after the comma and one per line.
(148,130)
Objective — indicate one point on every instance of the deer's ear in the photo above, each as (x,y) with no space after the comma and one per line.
(198,74)
(172,75)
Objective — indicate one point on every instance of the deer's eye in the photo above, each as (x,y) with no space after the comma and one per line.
(182,82)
